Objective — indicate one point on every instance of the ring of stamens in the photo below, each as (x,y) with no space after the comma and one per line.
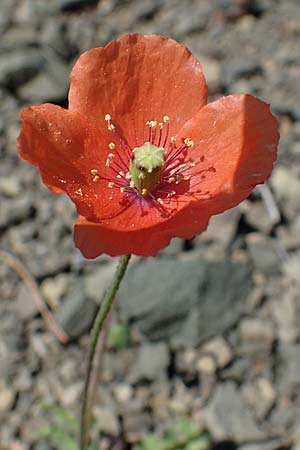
(151,170)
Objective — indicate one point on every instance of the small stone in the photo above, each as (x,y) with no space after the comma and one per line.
(257,216)
(38,346)
(7,398)
(107,421)
(256,333)
(136,425)
(286,187)
(222,228)
(96,283)
(70,395)
(25,304)
(284,310)
(288,369)
(151,363)
(263,254)
(228,417)
(10,186)
(77,312)
(54,288)
(260,395)
(206,364)
(181,402)
(291,267)
(213,74)
(220,350)
(123,392)
(186,361)
(19,66)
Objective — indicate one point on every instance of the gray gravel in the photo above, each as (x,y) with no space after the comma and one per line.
(226,326)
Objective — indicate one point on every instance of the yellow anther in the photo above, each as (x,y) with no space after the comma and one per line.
(166,119)
(111,155)
(171,180)
(122,190)
(111,127)
(170,194)
(110,184)
(141,176)
(192,164)
(153,123)
(94,171)
(160,201)
(96,178)
(173,171)
(131,184)
(144,192)
(128,176)
(112,145)
(173,139)
(79,192)
(182,166)
(160,125)
(108,161)
(107,117)
(189,142)
(186,178)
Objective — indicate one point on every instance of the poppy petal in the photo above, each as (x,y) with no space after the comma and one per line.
(64,147)
(235,145)
(93,239)
(138,78)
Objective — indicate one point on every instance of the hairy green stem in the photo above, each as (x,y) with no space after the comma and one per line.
(104,309)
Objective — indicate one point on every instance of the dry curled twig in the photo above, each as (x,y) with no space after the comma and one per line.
(29,281)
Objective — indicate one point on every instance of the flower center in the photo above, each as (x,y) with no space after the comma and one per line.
(146,167)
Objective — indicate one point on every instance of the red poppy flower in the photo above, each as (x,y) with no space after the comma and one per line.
(140,152)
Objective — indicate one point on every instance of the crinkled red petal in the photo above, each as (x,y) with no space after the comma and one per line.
(65,147)
(138,78)
(93,239)
(236,141)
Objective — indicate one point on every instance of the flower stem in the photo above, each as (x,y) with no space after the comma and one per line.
(104,309)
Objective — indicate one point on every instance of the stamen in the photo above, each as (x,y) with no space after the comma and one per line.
(96,178)
(110,184)
(189,142)
(122,190)
(112,145)
(160,201)
(79,192)
(144,192)
(94,171)
(166,119)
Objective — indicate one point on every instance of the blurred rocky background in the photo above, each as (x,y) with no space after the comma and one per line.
(218,340)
